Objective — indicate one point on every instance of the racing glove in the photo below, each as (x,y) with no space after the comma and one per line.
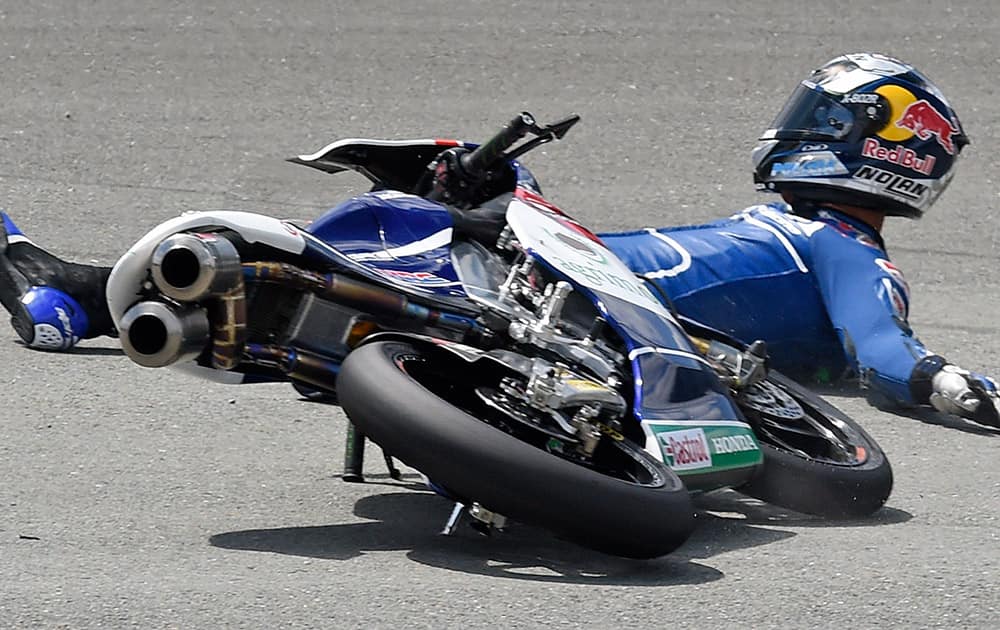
(950,389)
(53,303)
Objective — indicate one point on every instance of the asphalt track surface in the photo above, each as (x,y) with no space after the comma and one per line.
(136,497)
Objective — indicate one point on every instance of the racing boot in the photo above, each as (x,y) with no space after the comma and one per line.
(52,303)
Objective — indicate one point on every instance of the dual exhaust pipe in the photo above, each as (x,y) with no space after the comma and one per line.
(188,269)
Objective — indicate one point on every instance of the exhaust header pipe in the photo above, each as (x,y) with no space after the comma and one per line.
(157,334)
(190,267)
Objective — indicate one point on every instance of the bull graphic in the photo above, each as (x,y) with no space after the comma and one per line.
(923,120)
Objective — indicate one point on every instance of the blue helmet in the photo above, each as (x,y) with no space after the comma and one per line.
(864,130)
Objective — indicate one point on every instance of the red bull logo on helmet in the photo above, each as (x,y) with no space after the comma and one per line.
(924,121)
(899,154)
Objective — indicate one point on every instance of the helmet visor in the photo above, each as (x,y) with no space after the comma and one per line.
(812,114)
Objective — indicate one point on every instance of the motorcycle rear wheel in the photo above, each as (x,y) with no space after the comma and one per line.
(409,404)
(817,460)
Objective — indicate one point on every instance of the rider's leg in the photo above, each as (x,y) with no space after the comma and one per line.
(52,303)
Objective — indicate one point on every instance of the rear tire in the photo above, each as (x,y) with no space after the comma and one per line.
(644,517)
(821,475)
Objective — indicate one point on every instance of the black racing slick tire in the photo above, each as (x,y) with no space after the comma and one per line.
(644,517)
(823,463)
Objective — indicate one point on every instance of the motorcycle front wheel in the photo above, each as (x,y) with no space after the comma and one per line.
(419,408)
(817,460)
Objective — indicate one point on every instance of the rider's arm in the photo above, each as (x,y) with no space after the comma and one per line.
(867,300)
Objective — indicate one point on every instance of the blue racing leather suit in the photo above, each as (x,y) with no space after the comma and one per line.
(821,291)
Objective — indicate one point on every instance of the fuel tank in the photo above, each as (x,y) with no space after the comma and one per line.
(404,238)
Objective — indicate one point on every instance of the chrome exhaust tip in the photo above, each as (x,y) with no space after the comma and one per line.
(190,267)
(157,334)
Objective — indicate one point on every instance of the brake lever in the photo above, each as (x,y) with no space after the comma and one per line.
(543,135)
(560,128)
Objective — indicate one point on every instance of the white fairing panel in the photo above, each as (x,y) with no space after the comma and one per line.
(131,270)
(585,261)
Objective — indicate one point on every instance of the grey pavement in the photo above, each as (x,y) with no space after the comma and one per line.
(141,498)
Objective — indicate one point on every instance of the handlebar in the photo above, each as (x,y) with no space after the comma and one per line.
(460,177)
(490,151)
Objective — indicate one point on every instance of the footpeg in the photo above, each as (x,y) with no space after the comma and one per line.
(484,521)
(453,520)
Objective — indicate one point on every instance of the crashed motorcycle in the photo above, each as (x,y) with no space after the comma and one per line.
(482,336)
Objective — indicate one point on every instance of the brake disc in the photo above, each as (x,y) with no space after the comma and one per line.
(521,413)
(771,400)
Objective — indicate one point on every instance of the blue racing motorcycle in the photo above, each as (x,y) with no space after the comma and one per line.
(479,334)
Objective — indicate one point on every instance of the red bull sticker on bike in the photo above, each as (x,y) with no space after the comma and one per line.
(689,450)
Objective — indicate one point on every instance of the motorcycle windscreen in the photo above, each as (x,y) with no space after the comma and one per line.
(672,380)
(687,415)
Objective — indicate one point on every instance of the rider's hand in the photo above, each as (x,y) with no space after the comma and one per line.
(966,394)
(451,184)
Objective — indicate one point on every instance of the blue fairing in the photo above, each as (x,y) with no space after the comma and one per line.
(672,382)
(402,238)
(396,237)
(351,227)
(525,179)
